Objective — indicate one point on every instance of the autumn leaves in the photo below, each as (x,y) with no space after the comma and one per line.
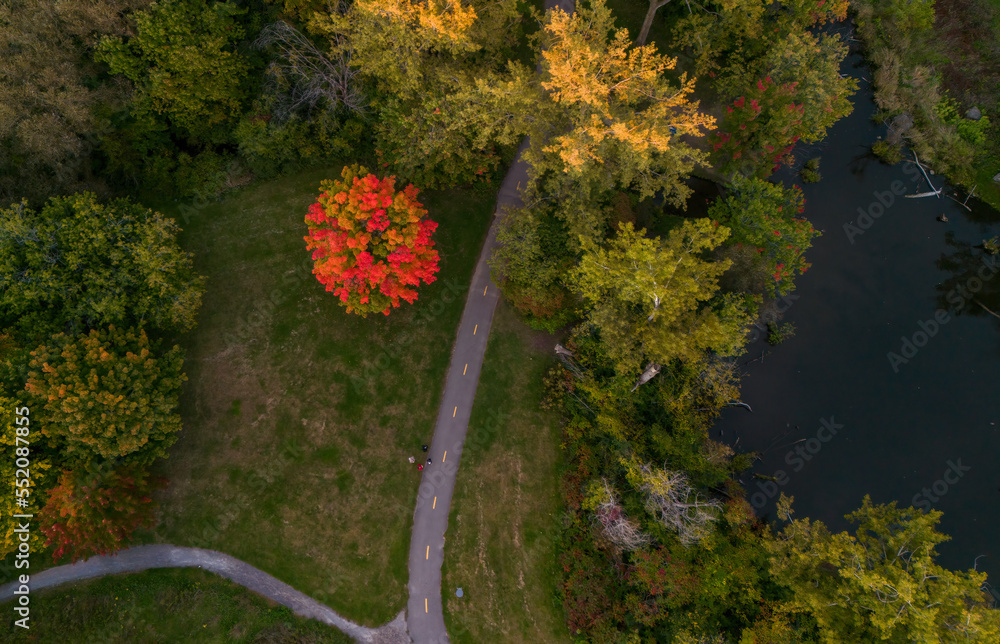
(371,245)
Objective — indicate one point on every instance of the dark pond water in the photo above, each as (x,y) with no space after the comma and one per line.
(922,432)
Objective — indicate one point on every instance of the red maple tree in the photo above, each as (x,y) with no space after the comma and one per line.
(371,245)
(84,517)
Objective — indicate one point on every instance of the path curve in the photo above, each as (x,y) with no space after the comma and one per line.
(425,613)
(163,555)
(425,619)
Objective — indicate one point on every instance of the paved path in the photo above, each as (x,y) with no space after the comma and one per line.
(167,556)
(425,615)
(425,620)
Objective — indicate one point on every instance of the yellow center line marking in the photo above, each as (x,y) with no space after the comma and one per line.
(474,330)
(425,604)
(428,553)
(445,456)
(484,289)
(466,368)
(435,503)
(454,412)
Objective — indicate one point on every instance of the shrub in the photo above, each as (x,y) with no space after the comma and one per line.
(810,171)
(887,152)
(779,332)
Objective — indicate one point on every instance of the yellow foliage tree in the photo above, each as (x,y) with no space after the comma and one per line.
(387,39)
(620,112)
(647,297)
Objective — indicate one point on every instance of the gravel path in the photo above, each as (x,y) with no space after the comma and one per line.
(166,556)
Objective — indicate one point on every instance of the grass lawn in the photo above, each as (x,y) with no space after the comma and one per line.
(503,528)
(182,605)
(298,418)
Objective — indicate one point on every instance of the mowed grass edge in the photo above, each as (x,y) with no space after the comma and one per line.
(504,524)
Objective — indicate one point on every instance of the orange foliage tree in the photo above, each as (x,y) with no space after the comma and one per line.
(371,245)
(97,514)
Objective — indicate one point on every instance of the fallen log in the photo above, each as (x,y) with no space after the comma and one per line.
(936,193)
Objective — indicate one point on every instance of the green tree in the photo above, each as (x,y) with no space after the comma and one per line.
(737,34)
(183,63)
(51,92)
(530,264)
(781,81)
(647,297)
(389,40)
(762,216)
(401,43)
(445,92)
(78,264)
(106,395)
(798,93)
(882,583)
(452,131)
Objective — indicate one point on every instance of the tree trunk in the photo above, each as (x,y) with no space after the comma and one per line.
(647,375)
(654,6)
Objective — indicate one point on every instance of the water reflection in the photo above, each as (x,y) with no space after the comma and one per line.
(972,288)
(865,296)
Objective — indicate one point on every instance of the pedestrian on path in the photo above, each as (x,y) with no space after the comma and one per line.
(428,460)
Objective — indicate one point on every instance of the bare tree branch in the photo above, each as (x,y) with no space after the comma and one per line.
(672,499)
(616,527)
(302,76)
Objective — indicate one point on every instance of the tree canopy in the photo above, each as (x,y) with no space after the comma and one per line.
(78,264)
(882,583)
(617,115)
(183,64)
(646,296)
(106,395)
(96,513)
(372,245)
(13,487)
(764,217)
(51,93)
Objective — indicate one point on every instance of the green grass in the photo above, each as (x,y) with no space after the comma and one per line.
(179,605)
(503,528)
(298,418)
